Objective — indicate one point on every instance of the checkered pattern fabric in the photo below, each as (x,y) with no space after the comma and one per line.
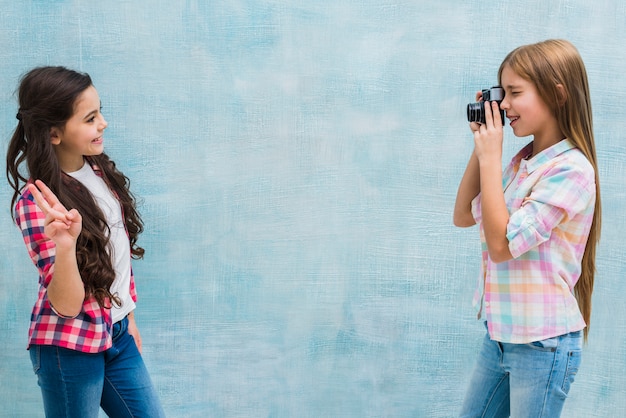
(551,206)
(90,331)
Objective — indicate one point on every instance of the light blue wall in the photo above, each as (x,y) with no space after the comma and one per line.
(298,162)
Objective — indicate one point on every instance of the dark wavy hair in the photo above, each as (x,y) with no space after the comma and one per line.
(47,97)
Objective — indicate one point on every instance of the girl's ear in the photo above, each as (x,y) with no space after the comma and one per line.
(55,136)
(561,94)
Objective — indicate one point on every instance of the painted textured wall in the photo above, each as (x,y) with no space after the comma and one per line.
(297,163)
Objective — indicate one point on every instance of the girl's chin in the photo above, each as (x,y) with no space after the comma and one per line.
(95,151)
(518,132)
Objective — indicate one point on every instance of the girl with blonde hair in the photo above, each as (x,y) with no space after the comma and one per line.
(539,222)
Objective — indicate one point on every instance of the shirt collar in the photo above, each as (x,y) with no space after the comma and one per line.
(544,156)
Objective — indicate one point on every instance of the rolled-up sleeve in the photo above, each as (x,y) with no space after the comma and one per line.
(561,193)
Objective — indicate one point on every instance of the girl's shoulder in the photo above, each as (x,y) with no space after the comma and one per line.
(570,167)
(25,196)
(574,159)
(562,157)
(26,209)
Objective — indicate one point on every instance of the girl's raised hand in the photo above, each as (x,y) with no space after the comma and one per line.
(61,226)
(488,136)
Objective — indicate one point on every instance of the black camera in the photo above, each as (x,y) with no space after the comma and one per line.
(476,111)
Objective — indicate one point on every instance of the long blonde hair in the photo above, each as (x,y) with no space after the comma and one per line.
(550,64)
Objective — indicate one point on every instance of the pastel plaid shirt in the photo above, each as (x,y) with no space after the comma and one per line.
(90,331)
(551,206)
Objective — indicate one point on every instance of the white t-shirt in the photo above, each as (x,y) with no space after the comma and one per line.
(119,243)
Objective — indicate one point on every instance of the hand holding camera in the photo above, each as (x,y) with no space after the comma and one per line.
(476,111)
(486,127)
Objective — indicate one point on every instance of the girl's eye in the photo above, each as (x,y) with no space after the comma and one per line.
(91,119)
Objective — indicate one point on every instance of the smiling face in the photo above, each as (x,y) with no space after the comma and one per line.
(82,134)
(527,111)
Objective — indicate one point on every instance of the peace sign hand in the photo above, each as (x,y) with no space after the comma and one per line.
(61,226)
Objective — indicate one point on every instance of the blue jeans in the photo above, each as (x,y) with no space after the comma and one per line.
(76,384)
(523,380)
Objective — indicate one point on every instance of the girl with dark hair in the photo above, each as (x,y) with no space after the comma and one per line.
(80,224)
(539,224)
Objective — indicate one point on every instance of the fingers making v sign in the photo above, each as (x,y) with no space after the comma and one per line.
(61,225)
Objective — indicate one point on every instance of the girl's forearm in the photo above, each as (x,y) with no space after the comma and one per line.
(468,190)
(495,215)
(66,291)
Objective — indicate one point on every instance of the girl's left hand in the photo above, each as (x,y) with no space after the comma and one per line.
(488,136)
(134,331)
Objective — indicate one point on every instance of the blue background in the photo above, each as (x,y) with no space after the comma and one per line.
(297,163)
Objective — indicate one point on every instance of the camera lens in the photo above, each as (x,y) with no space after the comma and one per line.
(476,112)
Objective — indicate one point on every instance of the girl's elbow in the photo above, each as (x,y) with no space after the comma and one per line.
(463,221)
(460,224)
(67,312)
(500,255)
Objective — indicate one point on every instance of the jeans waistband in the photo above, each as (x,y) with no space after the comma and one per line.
(573,334)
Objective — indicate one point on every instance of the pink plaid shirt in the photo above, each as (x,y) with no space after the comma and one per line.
(90,331)
(551,206)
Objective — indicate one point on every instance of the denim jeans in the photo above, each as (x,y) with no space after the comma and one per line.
(76,384)
(523,380)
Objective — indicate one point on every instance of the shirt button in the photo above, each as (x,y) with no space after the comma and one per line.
(486,303)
